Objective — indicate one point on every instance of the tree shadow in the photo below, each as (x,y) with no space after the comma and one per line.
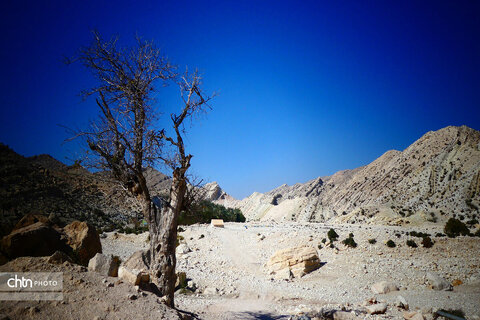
(250,315)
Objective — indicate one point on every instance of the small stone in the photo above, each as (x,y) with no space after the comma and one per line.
(384,287)
(437,282)
(377,308)
(210,291)
(183,249)
(412,315)
(402,303)
(191,285)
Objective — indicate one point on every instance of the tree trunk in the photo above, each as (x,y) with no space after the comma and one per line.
(163,238)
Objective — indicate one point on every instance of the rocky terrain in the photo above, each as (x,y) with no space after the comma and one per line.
(43,185)
(227,276)
(435,178)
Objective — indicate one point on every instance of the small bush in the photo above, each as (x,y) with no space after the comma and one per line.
(324,240)
(472,222)
(320,246)
(350,235)
(391,244)
(419,234)
(332,235)
(427,242)
(439,235)
(455,227)
(349,242)
(411,243)
(372,241)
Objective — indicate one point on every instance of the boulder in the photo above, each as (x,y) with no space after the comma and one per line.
(105,265)
(35,240)
(84,240)
(384,287)
(298,260)
(437,282)
(30,219)
(135,269)
(378,308)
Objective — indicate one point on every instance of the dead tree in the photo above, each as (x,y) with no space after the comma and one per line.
(124,138)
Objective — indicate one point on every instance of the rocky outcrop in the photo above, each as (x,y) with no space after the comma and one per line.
(84,240)
(435,177)
(294,262)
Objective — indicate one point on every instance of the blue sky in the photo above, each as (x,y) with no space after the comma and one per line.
(307,88)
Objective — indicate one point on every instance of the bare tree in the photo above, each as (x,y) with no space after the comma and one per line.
(124,138)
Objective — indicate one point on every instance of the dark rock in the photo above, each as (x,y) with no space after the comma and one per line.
(35,240)
(84,240)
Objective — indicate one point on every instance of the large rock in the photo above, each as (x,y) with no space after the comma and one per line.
(384,287)
(105,265)
(84,240)
(298,260)
(30,219)
(35,240)
(135,269)
(437,282)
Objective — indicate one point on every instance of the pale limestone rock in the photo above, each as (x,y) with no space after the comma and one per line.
(210,291)
(218,223)
(298,260)
(183,249)
(437,282)
(377,308)
(105,265)
(384,287)
(412,315)
(135,269)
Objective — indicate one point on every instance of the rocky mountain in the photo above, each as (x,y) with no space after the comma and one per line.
(437,177)
(42,184)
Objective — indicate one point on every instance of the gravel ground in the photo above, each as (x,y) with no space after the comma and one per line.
(229,262)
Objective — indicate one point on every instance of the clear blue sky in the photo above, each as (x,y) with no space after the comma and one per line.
(307,88)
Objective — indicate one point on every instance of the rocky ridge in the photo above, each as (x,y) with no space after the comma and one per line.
(435,178)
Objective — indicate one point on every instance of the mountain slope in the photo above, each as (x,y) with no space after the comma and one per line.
(438,176)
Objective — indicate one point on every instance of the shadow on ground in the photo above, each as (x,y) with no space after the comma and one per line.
(248,315)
